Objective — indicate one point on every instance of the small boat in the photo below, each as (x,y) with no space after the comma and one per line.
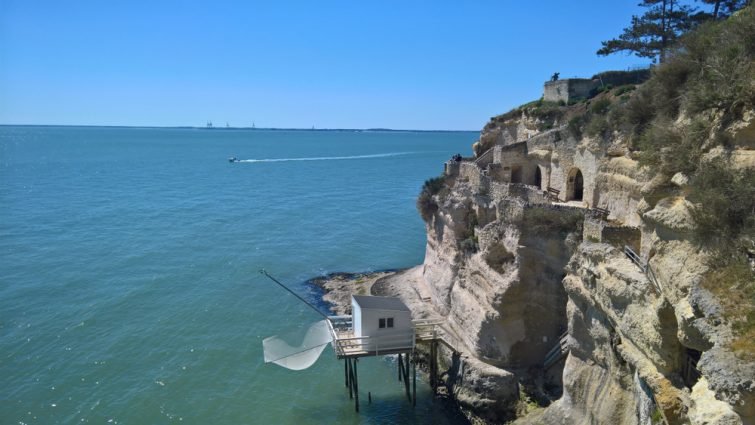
(233,159)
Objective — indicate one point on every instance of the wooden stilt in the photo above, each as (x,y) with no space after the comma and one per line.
(406,376)
(346,371)
(351,379)
(414,379)
(356,386)
(432,366)
(400,366)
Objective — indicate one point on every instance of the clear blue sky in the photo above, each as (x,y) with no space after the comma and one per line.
(351,64)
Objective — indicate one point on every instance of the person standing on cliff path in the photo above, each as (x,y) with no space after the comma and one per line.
(555,76)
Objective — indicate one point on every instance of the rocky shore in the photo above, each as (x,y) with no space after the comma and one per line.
(403,283)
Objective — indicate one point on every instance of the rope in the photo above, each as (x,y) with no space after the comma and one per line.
(264,272)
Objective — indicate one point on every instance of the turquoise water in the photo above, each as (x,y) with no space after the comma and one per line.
(129,258)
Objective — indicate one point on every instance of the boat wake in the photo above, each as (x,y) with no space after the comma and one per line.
(328,158)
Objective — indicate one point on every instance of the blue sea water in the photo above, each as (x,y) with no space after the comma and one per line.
(129,258)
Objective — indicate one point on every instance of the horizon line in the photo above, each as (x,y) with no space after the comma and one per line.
(238,128)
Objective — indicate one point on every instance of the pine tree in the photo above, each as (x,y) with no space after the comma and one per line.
(650,35)
(724,8)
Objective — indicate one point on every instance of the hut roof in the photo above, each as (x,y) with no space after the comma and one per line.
(380,303)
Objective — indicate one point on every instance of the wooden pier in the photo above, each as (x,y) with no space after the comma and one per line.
(351,348)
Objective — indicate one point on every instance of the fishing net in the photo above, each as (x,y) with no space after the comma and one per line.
(300,357)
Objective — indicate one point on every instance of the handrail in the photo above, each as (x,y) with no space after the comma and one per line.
(651,276)
(644,266)
(379,343)
(484,155)
(427,321)
(635,258)
(558,351)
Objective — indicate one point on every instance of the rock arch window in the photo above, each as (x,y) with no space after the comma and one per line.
(575,185)
(516,174)
(538,177)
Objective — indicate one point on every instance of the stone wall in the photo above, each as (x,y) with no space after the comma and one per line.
(451,168)
(598,230)
(592,230)
(526,193)
(568,89)
(551,159)
(471,173)
(619,236)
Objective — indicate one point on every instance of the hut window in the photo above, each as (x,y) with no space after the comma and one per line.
(385,323)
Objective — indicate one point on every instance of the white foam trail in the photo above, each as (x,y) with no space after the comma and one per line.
(329,158)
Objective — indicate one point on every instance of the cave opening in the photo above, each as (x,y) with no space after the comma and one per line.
(690,372)
(516,174)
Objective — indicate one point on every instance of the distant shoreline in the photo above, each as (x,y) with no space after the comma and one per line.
(354,130)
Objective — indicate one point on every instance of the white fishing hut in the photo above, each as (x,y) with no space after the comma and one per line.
(382,324)
(376,327)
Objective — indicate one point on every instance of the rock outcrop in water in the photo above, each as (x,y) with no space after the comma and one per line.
(569,267)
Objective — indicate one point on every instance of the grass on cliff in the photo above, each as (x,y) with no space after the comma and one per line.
(711,72)
(709,75)
(734,286)
(548,114)
(725,223)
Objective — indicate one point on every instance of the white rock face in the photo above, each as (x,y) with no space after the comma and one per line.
(707,410)
(643,337)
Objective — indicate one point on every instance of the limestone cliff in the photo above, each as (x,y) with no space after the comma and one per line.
(569,266)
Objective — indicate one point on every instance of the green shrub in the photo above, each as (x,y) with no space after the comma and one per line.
(426,204)
(618,78)
(600,106)
(467,239)
(670,150)
(597,126)
(657,417)
(575,125)
(725,200)
(601,89)
(723,54)
(497,256)
(624,89)
(434,185)
(546,112)
(639,110)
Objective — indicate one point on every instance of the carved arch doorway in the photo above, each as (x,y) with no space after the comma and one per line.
(538,177)
(575,185)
